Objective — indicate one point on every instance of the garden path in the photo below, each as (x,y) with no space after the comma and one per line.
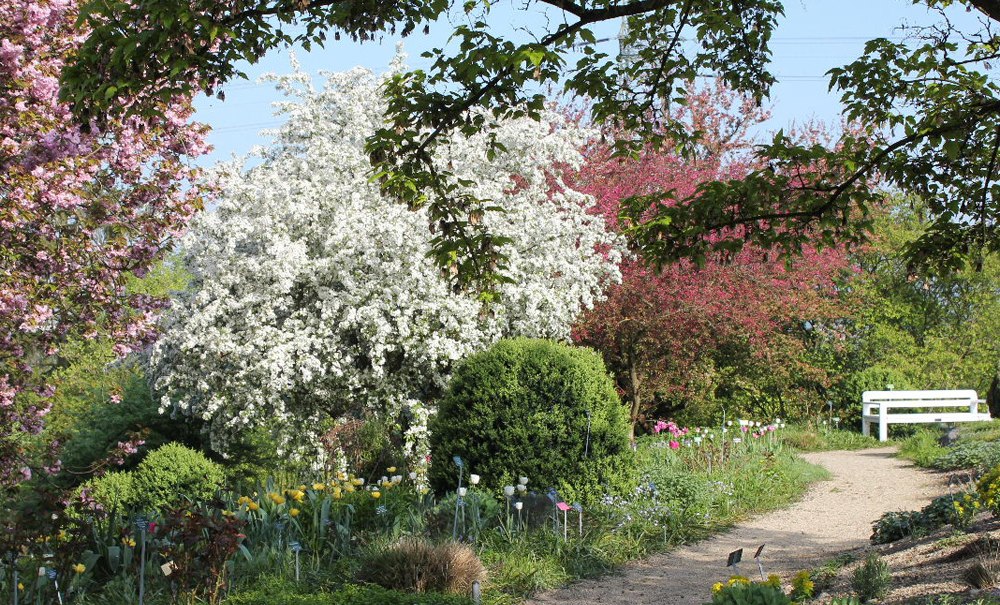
(832,517)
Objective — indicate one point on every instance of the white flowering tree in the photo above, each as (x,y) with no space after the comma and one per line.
(314,296)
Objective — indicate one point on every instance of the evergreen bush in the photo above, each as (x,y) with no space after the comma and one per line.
(172,474)
(534,408)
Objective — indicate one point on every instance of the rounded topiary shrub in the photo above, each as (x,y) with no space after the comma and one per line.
(113,491)
(534,408)
(174,474)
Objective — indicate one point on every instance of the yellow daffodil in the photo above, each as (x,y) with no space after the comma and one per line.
(79,568)
(253,506)
(130,542)
(319,487)
(376,494)
(391,469)
(277,499)
(294,512)
(349,488)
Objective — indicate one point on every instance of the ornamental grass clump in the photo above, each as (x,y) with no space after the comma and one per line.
(417,565)
(985,571)
(872,580)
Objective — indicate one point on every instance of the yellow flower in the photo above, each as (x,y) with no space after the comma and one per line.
(337,493)
(20,586)
(349,488)
(298,495)
(376,494)
(294,512)
(341,476)
(130,542)
(717,587)
(253,506)
(319,486)
(302,488)
(277,499)
(391,469)
(62,534)
(357,482)
(79,568)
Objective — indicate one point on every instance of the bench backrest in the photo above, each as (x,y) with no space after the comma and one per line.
(930,397)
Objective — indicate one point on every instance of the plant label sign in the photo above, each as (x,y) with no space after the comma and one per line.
(756,555)
(734,558)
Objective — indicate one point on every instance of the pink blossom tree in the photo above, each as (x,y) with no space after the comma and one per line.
(84,207)
(659,326)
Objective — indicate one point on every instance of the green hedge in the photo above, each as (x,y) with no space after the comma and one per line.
(534,408)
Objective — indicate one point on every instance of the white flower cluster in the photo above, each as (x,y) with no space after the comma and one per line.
(314,294)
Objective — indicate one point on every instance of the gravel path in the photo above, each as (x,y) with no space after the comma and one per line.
(833,516)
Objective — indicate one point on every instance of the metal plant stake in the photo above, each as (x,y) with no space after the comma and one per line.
(458,500)
(142,524)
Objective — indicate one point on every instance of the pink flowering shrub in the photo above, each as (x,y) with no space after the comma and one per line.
(83,209)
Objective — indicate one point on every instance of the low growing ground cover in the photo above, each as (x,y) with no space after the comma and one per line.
(318,541)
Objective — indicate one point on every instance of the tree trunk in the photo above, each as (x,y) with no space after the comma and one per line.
(993,395)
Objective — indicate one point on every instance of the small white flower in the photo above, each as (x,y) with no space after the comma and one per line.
(474,479)
(522,480)
(413,475)
(519,505)
(522,487)
(508,490)
(462,491)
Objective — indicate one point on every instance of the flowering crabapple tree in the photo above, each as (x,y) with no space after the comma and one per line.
(315,297)
(84,207)
(662,330)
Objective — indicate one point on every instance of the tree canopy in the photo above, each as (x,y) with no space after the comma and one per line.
(313,297)
(83,212)
(927,109)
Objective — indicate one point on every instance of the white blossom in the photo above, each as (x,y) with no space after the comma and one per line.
(314,295)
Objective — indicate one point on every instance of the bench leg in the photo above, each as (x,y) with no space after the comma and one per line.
(883,430)
(866,427)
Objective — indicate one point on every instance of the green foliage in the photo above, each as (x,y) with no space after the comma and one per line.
(740,591)
(270,591)
(539,409)
(846,601)
(803,586)
(113,491)
(846,394)
(979,455)
(809,438)
(988,489)
(872,579)
(922,447)
(174,473)
(941,511)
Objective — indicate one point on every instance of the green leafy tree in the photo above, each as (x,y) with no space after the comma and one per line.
(929,110)
(921,330)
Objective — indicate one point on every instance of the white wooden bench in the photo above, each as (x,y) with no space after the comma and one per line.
(878,407)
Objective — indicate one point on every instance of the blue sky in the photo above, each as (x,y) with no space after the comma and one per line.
(814,36)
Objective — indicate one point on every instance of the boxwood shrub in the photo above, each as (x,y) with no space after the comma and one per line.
(534,408)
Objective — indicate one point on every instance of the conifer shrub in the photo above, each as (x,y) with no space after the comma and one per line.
(539,409)
(173,474)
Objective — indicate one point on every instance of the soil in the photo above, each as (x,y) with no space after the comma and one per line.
(833,517)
